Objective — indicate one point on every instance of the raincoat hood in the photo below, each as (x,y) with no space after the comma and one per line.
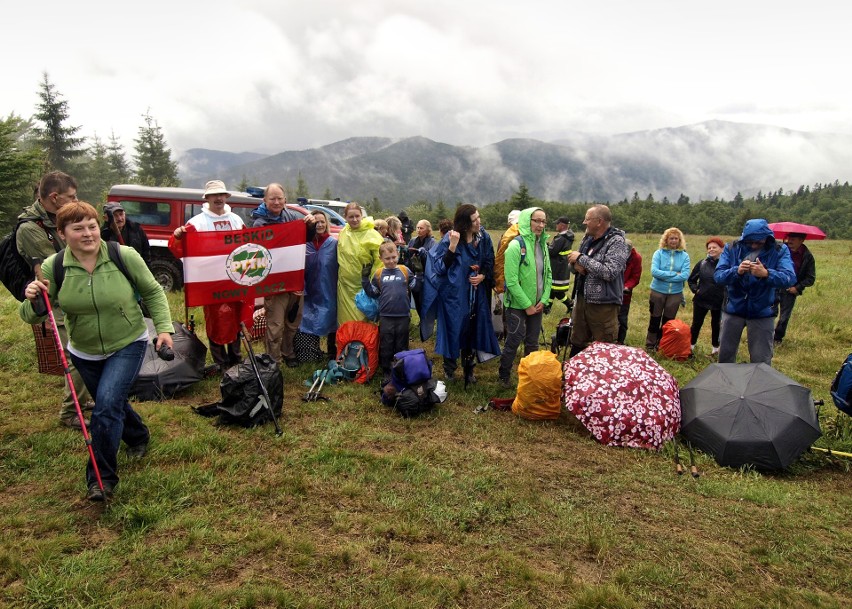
(263,212)
(524,227)
(757,229)
(367,223)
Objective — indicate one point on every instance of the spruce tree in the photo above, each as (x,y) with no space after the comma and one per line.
(118,160)
(302,187)
(154,165)
(21,165)
(55,137)
(522,198)
(94,174)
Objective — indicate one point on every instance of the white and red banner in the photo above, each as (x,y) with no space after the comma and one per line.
(224,266)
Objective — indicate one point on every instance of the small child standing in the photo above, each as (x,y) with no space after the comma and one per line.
(392,286)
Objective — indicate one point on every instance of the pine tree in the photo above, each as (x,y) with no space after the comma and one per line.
(56,138)
(522,198)
(441,210)
(302,187)
(95,175)
(154,165)
(118,160)
(327,194)
(20,168)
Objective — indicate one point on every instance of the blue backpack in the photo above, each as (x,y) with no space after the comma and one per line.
(411,377)
(841,388)
(410,368)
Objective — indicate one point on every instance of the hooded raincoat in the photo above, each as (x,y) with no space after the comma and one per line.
(749,296)
(522,289)
(355,248)
(319,316)
(446,297)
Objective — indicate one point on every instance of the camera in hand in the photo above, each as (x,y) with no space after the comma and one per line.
(164,352)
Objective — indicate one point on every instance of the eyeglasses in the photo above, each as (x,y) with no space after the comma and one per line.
(537,221)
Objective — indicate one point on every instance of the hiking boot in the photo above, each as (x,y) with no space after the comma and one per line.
(138,451)
(96,494)
(73,422)
(470,379)
(292,362)
(505,383)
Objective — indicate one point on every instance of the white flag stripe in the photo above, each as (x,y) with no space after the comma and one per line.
(212,268)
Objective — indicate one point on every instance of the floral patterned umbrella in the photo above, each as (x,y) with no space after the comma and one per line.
(622,396)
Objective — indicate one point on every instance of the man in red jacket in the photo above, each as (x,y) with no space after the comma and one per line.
(632,275)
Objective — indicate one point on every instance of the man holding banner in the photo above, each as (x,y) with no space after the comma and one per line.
(283,310)
(226,266)
(222,321)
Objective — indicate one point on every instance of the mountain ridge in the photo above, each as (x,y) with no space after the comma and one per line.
(703,161)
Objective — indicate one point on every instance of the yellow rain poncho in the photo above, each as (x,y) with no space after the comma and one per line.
(355,248)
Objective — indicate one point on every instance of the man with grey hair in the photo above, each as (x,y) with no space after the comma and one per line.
(599,263)
(283,311)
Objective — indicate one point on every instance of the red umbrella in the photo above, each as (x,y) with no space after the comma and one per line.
(783,229)
(622,396)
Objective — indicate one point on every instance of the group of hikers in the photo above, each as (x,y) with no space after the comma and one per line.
(459,283)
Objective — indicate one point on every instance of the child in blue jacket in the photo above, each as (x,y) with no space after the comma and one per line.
(392,286)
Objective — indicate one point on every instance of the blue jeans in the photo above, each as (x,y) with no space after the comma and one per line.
(113,419)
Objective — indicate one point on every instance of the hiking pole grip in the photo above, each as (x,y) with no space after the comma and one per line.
(244,336)
(58,340)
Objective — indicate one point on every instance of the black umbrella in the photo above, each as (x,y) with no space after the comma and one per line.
(748,414)
(159,379)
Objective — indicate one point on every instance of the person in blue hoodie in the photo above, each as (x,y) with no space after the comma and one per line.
(283,311)
(670,270)
(752,268)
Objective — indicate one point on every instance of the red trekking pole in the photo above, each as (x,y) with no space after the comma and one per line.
(61,350)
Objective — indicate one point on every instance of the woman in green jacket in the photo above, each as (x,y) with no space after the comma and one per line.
(107,335)
(526,268)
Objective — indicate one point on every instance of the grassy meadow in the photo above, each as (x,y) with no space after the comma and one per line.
(355,507)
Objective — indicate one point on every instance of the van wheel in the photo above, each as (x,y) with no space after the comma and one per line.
(167,273)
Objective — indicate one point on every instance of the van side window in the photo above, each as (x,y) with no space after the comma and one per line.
(148,212)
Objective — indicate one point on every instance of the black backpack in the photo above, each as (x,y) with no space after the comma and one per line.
(242,397)
(15,272)
(416,399)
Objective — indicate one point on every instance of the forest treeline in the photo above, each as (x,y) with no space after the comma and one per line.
(828,206)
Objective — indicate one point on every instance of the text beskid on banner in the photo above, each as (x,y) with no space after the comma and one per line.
(224,266)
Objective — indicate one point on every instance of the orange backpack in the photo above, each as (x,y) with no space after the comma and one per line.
(539,387)
(358,350)
(676,342)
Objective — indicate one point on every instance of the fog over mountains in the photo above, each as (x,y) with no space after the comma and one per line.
(702,161)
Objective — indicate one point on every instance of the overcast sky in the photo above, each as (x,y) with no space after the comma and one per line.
(275,75)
